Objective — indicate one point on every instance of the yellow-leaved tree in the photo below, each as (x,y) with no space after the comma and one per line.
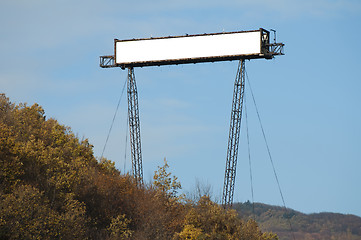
(165,182)
(208,220)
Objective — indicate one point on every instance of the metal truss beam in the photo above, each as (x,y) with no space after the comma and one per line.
(106,62)
(275,49)
(233,139)
(134,127)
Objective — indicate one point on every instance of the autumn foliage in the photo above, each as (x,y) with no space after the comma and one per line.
(52,187)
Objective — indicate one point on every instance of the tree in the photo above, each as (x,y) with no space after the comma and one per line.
(164,182)
(119,228)
(201,189)
(208,220)
(27,214)
(11,169)
(160,212)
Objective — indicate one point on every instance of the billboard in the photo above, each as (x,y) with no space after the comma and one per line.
(191,48)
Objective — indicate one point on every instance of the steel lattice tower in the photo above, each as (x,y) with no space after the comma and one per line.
(233,139)
(134,127)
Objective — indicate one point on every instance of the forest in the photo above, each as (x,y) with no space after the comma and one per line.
(53,187)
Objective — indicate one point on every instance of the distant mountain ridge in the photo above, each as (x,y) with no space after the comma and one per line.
(320,226)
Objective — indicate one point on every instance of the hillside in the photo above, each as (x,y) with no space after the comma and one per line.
(306,226)
(53,187)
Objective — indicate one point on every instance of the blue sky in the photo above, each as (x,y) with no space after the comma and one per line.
(309,99)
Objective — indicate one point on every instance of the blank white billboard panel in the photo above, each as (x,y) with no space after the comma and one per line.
(159,51)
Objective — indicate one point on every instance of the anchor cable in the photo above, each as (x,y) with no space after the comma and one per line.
(249,156)
(115,114)
(126,145)
(269,153)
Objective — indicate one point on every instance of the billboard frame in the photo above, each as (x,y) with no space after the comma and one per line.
(264,52)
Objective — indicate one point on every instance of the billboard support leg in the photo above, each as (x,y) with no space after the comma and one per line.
(134,127)
(233,139)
